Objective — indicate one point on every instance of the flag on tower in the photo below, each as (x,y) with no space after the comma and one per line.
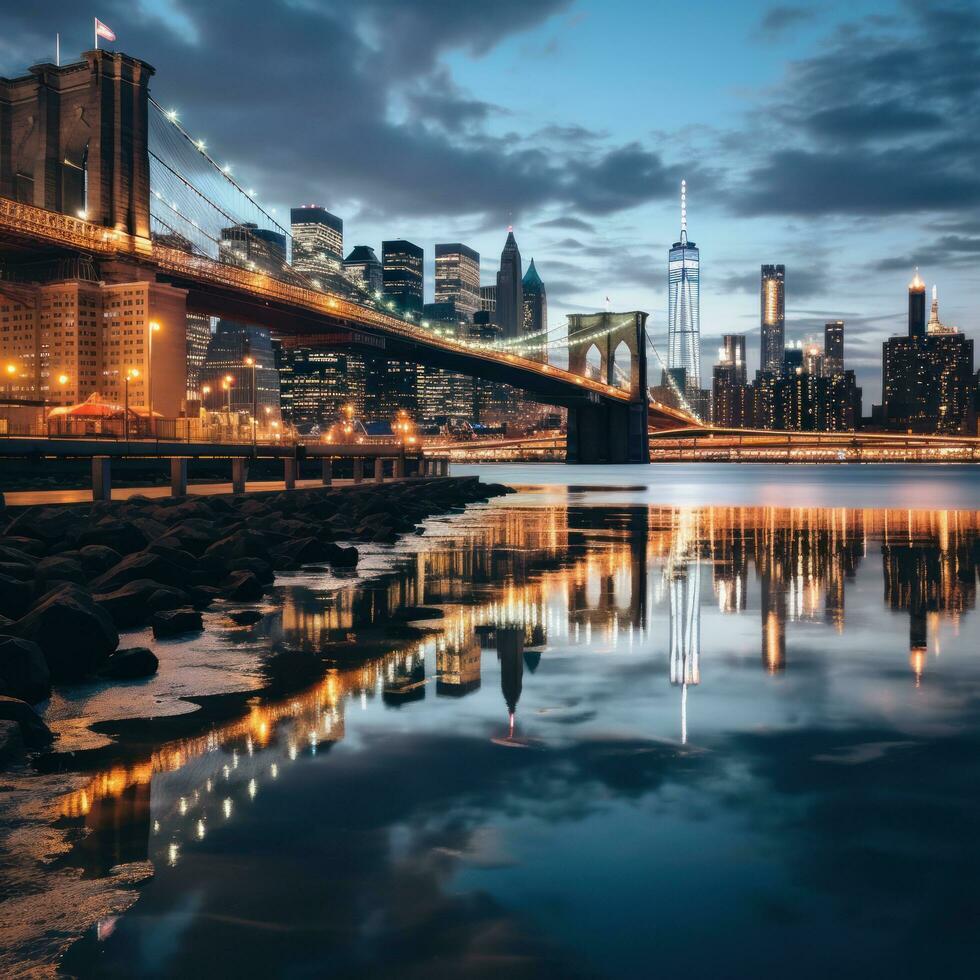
(103,31)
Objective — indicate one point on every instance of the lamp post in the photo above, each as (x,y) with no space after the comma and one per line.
(131,375)
(226,384)
(10,371)
(250,362)
(152,327)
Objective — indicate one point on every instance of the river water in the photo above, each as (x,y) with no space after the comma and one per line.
(673,721)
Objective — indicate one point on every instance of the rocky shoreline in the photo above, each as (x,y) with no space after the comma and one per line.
(73,576)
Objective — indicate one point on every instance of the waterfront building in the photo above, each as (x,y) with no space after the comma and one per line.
(509,293)
(457,278)
(445,395)
(732,353)
(198,331)
(73,337)
(315,387)
(251,247)
(683,303)
(813,362)
(318,241)
(927,378)
(535,318)
(401,274)
(773,318)
(488,300)
(389,387)
(249,384)
(833,347)
(363,269)
(792,359)
(731,397)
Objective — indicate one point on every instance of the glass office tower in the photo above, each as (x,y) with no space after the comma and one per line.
(683,303)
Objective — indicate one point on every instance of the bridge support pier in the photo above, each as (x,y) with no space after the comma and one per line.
(178,477)
(379,470)
(239,472)
(359,470)
(101,478)
(326,472)
(289,473)
(398,467)
(608,434)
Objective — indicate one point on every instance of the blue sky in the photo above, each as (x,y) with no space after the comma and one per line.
(839,139)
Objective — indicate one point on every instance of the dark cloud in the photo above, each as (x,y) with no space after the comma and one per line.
(777,21)
(572,224)
(950,250)
(880,122)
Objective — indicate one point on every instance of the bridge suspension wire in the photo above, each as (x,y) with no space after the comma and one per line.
(672,381)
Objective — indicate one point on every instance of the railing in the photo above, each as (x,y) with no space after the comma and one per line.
(61,228)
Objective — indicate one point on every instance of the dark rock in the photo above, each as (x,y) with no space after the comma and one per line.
(16,556)
(173,622)
(142,565)
(46,524)
(169,549)
(131,663)
(342,557)
(97,558)
(24,672)
(22,573)
(246,617)
(34,732)
(75,634)
(58,569)
(31,546)
(242,587)
(123,536)
(262,570)
(201,596)
(15,596)
(12,747)
(134,603)
(304,551)
(239,544)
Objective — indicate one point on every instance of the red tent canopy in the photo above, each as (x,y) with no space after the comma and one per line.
(95,407)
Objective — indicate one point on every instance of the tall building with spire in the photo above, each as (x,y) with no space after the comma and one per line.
(773,318)
(510,294)
(535,310)
(917,306)
(683,304)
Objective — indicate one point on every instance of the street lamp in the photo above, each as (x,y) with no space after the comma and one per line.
(250,362)
(152,328)
(226,384)
(131,375)
(10,369)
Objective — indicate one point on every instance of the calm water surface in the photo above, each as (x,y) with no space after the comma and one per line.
(643,740)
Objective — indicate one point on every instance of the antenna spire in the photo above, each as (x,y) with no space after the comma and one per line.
(684,211)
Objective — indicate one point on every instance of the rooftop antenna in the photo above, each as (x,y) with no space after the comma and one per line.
(683,212)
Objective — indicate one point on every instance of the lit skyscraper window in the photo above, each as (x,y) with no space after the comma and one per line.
(683,303)
(773,315)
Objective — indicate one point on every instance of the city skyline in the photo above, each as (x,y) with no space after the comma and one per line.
(591,189)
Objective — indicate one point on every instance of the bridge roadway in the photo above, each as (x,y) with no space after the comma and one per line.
(707,444)
(304,316)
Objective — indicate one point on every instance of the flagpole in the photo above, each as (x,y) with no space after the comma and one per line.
(57,50)
(95,30)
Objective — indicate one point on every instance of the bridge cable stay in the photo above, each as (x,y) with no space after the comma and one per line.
(672,381)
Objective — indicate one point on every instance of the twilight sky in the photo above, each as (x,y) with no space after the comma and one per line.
(838,138)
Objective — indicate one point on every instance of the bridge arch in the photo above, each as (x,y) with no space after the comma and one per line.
(621,368)
(593,363)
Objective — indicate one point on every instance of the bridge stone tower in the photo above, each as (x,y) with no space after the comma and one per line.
(74,139)
(601,431)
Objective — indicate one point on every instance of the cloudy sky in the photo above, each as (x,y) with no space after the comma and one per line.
(838,138)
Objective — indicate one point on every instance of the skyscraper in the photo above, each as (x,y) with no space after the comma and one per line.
(773,316)
(318,241)
(683,303)
(833,348)
(917,306)
(231,344)
(733,353)
(402,274)
(252,247)
(363,268)
(731,404)
(535,318)
(510,294)
(458,278)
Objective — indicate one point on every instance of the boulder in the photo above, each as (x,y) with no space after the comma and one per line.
(245,617)
(24,672)
(15,596)
(170,549)
(46,524)
(135,602)
(75,634)
(173,622)
(97,558)
(341,557)
(58,569)
(242,587)
(239,544)
(30,546)
(201,596)
(124,536)
(142,565)
(16,556)
(33,731)
(130,664)
(262,570)
(15,570)
(12,746)
(304,551)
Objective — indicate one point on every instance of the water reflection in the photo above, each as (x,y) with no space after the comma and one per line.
(568,630)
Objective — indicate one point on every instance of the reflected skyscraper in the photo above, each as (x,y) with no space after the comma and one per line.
(683,304)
